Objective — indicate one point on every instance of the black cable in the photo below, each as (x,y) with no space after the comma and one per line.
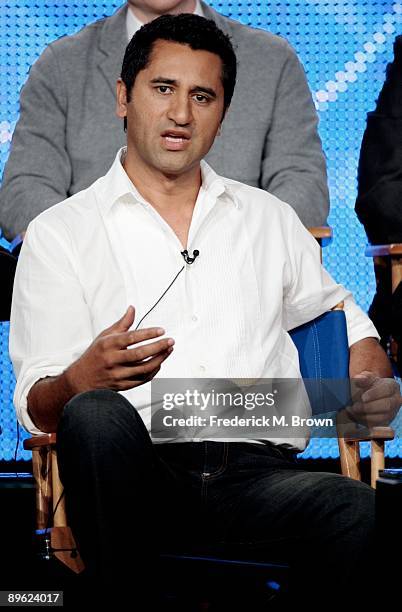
(73,551)
(52,515)
(16,449)
(146,314)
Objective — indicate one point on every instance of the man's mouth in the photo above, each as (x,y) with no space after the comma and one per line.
(175,141)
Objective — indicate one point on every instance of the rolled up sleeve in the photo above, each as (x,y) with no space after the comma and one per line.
(48,310)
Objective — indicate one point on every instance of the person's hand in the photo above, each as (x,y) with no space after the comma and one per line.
(108,363)
(378,400)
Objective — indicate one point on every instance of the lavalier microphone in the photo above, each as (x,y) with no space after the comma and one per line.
(187,258)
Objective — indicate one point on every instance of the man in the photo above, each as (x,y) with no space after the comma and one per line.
(66,137)
(225,311)
(378,202)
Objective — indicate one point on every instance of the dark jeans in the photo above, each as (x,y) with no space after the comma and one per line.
(129,499)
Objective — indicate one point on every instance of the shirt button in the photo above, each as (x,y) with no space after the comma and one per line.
(194,318)
(202,368)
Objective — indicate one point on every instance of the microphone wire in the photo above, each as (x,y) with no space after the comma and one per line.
(157,302)
(186,258)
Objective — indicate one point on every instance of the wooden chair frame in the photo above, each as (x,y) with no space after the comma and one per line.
(381,253)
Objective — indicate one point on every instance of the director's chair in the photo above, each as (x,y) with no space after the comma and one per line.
(387,260)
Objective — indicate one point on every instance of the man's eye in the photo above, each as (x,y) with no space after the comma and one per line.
(164,89)
(201,98)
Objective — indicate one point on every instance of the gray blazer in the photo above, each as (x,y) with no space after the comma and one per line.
(68,135)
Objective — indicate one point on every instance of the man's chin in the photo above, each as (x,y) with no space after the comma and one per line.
(178,167)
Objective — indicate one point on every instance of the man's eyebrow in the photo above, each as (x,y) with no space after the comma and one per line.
(161,79)
(195,89)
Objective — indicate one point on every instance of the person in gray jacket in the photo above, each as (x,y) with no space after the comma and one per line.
(67,136)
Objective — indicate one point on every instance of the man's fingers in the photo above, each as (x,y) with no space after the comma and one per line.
(123,324)
(124,339)
(128,376)
(376,400)
(379,420)
(382,388)
(146,350)
(147,367)
(383,406)
(364,380)
(370,420)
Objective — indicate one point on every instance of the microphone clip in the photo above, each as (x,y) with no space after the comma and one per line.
(187,258)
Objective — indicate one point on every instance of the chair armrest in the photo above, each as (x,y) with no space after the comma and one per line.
(383,250)
(349,438)
(394,252)
(365,435)
(322,234)
(39,441)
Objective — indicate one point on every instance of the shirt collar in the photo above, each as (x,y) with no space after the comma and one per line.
(133,23)
(116,186)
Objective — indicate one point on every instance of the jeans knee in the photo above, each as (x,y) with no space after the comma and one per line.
(355,502)
(364,502)
(98,412)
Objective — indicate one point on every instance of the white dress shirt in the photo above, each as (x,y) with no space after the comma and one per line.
(258,274)
(133,23)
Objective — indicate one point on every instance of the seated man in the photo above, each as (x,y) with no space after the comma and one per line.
(250,273)
(66,136)
(378,202)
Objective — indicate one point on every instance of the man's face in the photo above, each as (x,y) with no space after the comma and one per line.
(146,10)
(175,109)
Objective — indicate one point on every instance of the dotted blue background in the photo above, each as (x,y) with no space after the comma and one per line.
(344,47)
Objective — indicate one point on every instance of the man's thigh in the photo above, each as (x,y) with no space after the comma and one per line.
(288,511)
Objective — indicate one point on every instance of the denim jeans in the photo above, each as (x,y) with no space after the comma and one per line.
(128,498)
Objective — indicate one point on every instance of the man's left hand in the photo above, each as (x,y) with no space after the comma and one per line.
(379,400)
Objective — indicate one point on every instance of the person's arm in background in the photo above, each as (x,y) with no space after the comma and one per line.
(379,178)
(293,166)
(38,171)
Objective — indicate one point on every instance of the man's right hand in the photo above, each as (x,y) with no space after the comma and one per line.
(108,363)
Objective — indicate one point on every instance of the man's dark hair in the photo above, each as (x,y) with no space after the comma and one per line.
(186,29)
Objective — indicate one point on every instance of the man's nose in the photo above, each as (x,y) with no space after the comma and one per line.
(180,110)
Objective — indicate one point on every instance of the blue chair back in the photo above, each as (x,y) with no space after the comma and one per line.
(323,347)
(323,350)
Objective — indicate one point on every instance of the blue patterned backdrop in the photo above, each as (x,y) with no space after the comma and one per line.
(344,46)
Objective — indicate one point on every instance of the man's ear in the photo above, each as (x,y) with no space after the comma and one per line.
(121,99)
